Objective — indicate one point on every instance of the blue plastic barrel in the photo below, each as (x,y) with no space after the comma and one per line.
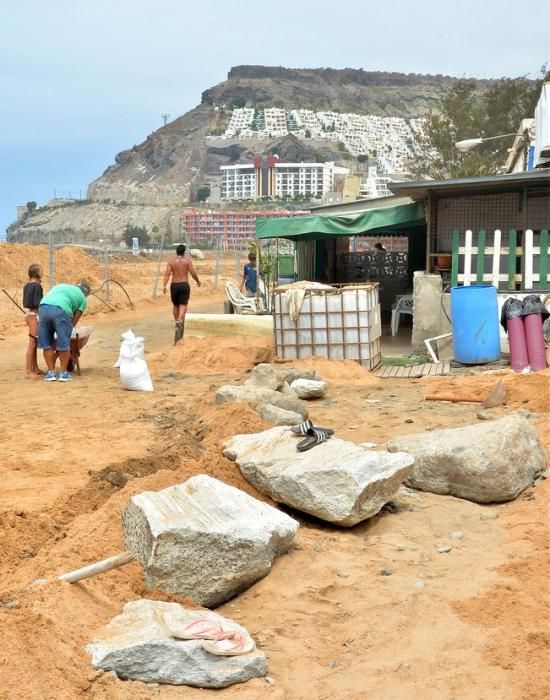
(474,314)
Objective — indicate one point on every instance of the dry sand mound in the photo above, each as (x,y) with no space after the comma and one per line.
(71,264)
(343,371)
(213,355)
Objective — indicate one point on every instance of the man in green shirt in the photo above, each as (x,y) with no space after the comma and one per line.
(59,311)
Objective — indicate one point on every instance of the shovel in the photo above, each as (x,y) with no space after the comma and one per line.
(497,397)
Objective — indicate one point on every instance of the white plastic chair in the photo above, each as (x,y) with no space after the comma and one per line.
(240,303)
(403,305)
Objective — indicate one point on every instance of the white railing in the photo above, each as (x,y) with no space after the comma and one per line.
(497,264)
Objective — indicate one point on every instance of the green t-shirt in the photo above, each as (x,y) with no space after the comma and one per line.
(68,297)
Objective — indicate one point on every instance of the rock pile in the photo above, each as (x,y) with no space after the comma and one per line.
(275,393)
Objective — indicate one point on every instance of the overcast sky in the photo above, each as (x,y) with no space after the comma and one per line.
(81,80)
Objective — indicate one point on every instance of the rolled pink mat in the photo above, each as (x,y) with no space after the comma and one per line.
(519,358)
(535,341)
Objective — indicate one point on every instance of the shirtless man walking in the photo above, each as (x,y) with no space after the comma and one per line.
(179,268)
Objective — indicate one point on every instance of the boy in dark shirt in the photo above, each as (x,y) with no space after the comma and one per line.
(32,296)
(250,276)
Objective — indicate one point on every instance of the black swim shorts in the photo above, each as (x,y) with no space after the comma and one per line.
(179,292)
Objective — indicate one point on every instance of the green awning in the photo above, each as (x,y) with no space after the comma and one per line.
(309,228)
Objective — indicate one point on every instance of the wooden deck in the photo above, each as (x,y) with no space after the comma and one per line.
(413,371)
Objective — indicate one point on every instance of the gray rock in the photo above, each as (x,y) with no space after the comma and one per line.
(285,402)
(205,539)
(444,549)
(289,374)
(277,416)
(309,388)
(457,535)
(258,395)
(337,480)
(138,645)
(484,415)
(263,375)
(287,391)
(229,393)
(486,463)
(196,253)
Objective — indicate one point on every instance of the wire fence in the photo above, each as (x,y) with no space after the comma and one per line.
(119,278)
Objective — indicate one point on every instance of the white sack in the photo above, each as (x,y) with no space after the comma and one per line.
(128,339)
(134,372)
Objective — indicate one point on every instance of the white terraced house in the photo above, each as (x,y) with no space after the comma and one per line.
(391,140)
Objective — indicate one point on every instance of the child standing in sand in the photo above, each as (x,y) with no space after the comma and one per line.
(32,296)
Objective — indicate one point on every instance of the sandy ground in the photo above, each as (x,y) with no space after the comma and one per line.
(374,611)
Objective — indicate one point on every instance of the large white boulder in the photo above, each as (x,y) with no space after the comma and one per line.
(205,539)
(337,480)
(309,388)
(138,644)
(485,462)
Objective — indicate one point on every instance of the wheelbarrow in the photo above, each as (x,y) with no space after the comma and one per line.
(79,340)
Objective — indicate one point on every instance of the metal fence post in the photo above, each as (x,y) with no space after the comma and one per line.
(157,276)
(237,250)
(106,273)
(51,251)
(217,268)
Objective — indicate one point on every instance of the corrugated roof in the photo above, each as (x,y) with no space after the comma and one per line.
(490,183)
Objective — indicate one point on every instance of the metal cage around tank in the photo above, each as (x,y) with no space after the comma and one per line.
(339,324)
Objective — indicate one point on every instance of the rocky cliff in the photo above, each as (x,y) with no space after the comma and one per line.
(150,182)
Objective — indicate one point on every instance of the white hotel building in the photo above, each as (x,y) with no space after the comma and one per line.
(272,178)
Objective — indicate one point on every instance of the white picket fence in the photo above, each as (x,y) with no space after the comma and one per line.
(483,264)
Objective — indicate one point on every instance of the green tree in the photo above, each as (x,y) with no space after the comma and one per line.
(469,110)
(203,193)
(31,206)
(239,101)
(139,232)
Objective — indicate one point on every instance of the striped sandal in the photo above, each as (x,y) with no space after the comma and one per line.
(315,436)
(303,428)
